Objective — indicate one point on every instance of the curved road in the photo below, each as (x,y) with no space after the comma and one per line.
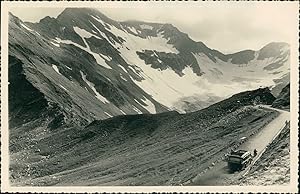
(219,174)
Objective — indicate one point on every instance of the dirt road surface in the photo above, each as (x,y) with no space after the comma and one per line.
(219,175)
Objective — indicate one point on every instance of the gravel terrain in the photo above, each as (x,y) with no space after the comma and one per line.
(159,149)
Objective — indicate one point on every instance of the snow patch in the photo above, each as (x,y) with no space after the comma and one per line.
(166,86)
(122,112)
(108,58)
(133,30)
(92,86)
(82,32)
(99,20)
(150,106)
(56,69)
(137,110)
(108,79)
(134,70)
(68,67)
(27,28)
(102,34)
(63,87)
(108,114)
(123,78)
(137,101)
(99,59)
(135,43)
(123,68)
(147,27)
(55,44)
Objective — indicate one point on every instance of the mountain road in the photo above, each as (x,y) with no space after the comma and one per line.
(219,174)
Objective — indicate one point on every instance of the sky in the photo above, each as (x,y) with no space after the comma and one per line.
(225,26)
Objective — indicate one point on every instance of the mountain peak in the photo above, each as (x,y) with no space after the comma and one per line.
(83,10)
(275,44)
(273,49)
(83,14)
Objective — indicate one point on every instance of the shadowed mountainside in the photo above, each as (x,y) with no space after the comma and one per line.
(283,99)
(161,149)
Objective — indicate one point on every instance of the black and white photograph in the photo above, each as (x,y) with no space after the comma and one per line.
(187,96)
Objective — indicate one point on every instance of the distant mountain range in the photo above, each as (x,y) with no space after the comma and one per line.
(83,66)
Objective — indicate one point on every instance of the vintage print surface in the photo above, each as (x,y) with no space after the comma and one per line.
(188,96)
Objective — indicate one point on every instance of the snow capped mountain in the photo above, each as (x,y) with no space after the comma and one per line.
(93,67)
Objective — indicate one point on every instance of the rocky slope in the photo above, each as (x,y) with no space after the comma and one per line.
(283,99)
(93,67)
(161,149)
(273,168)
